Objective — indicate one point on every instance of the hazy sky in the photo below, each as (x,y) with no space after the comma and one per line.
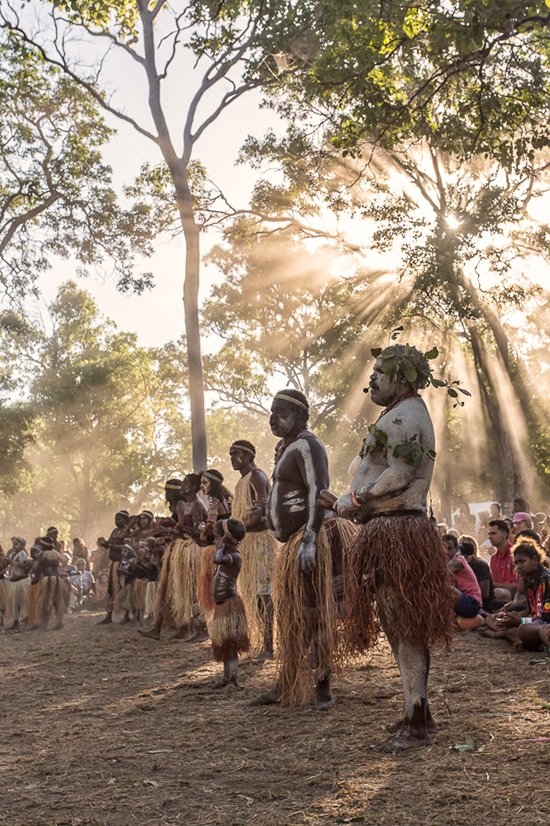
(157,316)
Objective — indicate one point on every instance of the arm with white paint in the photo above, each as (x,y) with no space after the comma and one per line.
(312,462)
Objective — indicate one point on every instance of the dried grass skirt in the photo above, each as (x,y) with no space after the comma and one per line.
(396,575)
(229,630)
(308,609)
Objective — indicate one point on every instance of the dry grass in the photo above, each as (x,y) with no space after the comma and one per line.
(100,726)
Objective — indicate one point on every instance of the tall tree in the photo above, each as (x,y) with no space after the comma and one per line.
(229,51)
(56,195)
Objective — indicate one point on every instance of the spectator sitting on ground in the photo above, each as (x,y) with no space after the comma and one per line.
(502,564)
(468,599)
(80,551)
(469,551)
(530,625)
(495,511)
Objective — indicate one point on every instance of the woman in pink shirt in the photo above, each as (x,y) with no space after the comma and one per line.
(468,601)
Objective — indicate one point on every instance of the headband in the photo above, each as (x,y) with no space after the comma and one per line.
(238,446)
(212,476)
(150,514)
(292,400)
(172,487)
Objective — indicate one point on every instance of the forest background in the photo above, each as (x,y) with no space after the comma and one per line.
(310,177)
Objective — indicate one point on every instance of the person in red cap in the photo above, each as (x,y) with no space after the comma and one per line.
(521,521)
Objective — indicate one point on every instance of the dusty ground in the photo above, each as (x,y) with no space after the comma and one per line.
(100,726)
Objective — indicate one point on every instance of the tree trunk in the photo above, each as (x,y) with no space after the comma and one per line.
(192,328)
(509,474)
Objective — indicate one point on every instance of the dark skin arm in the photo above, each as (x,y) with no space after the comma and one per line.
(255,521)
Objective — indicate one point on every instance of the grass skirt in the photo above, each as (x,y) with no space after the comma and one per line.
(176,596)
(207,568)
(50,599)
(229,630)
(114,588)
(32,613)
(397,575)
(17,602)
(307,612)
(150,593)
(128,596)
(139,595)
(2,596)
(258,552)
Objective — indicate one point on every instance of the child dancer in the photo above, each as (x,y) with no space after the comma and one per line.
(228,626)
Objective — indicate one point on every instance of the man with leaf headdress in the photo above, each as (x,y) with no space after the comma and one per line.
(396,573)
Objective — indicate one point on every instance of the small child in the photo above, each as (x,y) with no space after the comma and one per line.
(228,627)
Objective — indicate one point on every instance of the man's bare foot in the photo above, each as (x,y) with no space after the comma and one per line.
(125,619)
(325,697)
(485,631)
(181,633)
(220,683)
(151,635)
(405,738)
(106,620)
(431,725)
(264,655)
(269,698)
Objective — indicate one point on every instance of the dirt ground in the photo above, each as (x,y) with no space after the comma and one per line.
(100,726)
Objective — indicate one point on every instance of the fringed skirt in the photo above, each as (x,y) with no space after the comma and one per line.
(150,592)
(114,588)
(50,600)
(308,609)
(207,568)
(176,597)
(258,552)
(229,630)
(128,596)
(18,593)
(32,613)
(139,595)
(397,577)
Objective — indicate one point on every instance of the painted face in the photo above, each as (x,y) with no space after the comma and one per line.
(524,565)
(383,390)
(206,484)
(283,419)
(239,458)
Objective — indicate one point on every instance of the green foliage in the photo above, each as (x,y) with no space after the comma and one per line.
(56,196)
(472,77)
(411,451)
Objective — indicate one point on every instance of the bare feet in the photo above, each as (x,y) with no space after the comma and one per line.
(181,633)
(325,697)
(405,738)
(431,725)
(106,620)
(264,655)
(152,634)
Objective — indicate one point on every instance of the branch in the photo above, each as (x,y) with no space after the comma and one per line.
(87,86)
